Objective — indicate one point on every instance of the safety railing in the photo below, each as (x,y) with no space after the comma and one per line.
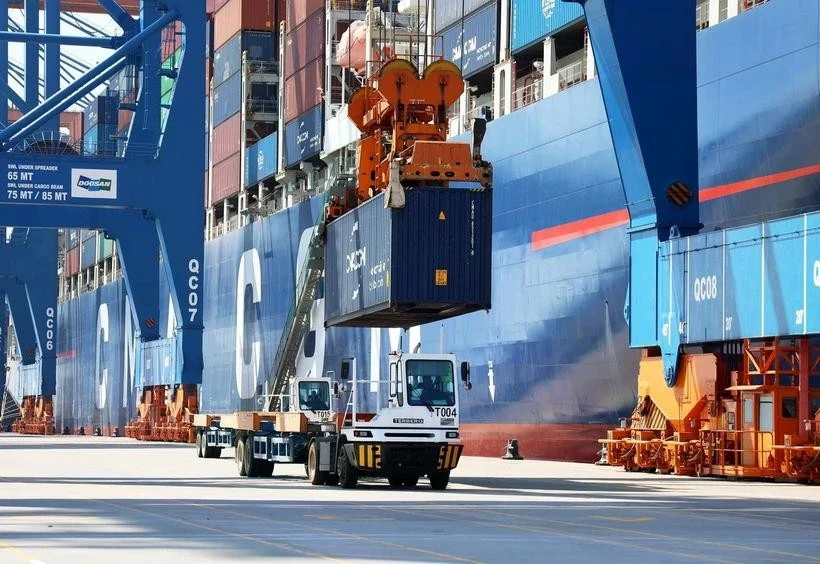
(572,74)
(528,94)
(727,447)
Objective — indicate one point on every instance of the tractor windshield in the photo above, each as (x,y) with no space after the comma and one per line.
(430,382)
(314,396)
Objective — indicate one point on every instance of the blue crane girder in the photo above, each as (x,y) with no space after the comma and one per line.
(28,277)
(645,54)
(150,199)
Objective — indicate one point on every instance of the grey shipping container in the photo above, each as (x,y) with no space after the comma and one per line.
(430,260)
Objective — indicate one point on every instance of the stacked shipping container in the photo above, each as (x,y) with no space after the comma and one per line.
(248,26)
(304,72)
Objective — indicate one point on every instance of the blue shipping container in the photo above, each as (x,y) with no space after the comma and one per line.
(88,253)
(427,261)
(472,47)
(228,58)
(534,20)
(102,110)
(303,136)
(99,140)
(227,99)
(260,160)
(450,11)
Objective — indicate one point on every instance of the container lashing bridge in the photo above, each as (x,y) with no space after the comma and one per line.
(137,197)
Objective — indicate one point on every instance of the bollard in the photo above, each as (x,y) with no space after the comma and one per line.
(97,432)
(66,430)
(511,451)
(602,461)
(81,431)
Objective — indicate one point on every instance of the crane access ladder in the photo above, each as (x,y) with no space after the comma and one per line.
(298,320)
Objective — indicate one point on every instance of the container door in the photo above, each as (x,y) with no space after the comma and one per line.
(766,424)
(748,456)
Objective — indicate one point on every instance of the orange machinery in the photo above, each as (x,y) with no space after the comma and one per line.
(402,115)
(745,411)
(36,416)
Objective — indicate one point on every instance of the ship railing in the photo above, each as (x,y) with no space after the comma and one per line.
(749,4)
(477,112)
(261,106)
(728,447)
(572,74)
(528,94)
(263,67)
(702,16)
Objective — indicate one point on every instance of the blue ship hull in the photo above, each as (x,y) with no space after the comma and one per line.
(551,365)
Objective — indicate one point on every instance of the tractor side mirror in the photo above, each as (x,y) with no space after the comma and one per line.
(345,372)
(337,390)
(465,375)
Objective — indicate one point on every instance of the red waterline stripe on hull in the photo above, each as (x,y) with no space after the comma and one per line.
(551,236)
(744,185)
(575,229)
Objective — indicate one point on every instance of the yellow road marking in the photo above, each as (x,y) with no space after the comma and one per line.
(19,552)
(635,531)
(220,531)
(575,536)
(352,536)
(623,519)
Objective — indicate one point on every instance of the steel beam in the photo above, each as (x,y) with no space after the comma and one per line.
(55,104)
(29,265)
(52,60)
(119,15)
(51,38)
(32,77)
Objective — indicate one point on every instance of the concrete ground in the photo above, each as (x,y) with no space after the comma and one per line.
(85,500)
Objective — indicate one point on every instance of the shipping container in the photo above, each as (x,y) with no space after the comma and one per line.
(260,160)
(448,12)
(227,99)
(227,139)
(171,39)
(212,6)
(534,20)
(473,45)
(103,109)
(71,123)
(101,140)
(298,12)
(226,182)
(427,261)
(303,90)
(105,247)
(241,15)
(304,44)
(205,198)
(72,238)
(303,136)
(88,253)
(72,261)
(259,46)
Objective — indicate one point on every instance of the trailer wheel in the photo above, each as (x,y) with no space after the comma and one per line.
(316,476)
(250,463)
(200,453)
(348,474)
(439,480)
(239,456)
